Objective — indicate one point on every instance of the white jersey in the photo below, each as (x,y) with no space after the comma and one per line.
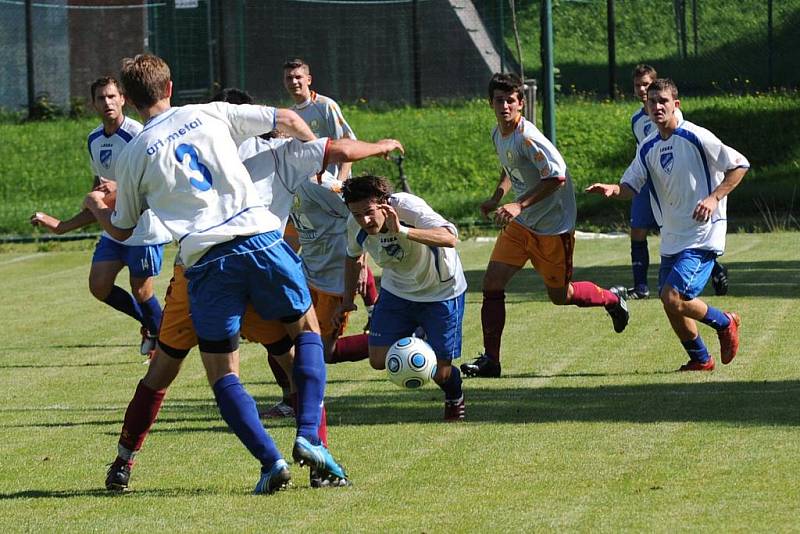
(682,171)
(411,270)
(278,167)
(321,222)
(185,166)
(528,157)
(104,151)
(642,126)
(325,119)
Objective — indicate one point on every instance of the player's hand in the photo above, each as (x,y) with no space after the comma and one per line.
(45,221)
(361,284)
(488,207)
(392,219)
(106,186)
(506,213)
(341,312)
(95,201)
(702,212)
(607,190)
(390,145)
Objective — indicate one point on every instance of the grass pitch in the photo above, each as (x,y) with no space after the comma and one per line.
(586,430)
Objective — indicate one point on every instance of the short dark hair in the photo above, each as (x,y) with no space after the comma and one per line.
(643,69)
(661,84)
(102,82)
(296,63)
(366,187)
(145,78)
(508,83)
(233,95)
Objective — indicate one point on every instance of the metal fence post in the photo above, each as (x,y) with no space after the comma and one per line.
(530,100)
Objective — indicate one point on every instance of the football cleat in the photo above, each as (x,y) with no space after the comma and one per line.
(729,338)
(276,479)
(638,293)
(118,475)
(619,311)
(278,411)
(455,410)
(316,480)
(148,346)
(319,457)
(694,365)
(482,366)
(719,279)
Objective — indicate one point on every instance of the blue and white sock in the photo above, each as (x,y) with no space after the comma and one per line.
(121,300)
(716,319)
(151,315)
(309,375)
(452,386)
(696,350)
(640,262)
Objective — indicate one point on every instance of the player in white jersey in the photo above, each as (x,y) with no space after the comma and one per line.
(184,165)
(538,226)
(422,284)
(143,251)
(690,173)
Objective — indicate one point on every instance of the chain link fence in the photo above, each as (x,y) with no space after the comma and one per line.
(394,51)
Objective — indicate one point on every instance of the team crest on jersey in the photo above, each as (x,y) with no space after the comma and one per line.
(393,249)
(647,128)
(105,157)
(509,156)
(667,160)
(314,125)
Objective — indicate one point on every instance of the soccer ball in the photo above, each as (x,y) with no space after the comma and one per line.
(410,363)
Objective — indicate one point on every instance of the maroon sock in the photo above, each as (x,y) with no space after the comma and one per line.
(323,427)
(493,320)
(140,415)
(587,294)
(280,375)
(350,349)
(372,290)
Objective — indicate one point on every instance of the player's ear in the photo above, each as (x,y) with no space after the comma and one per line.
(169,89)
(677,103)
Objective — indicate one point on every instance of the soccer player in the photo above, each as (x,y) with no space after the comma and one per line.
(539,225)
(185,166)
(423,283)
(642,218)
(690,173)
(277,167)
(143,251)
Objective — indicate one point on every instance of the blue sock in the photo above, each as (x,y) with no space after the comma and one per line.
(151,315)
(238,409)
(696,349)
(640,262)
(309,378)
(452,386)
(121,300)
(716,319)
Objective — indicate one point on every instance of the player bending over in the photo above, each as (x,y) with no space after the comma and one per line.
(185,166)
(690,173)
(539,225)
(143,251)
(422,284)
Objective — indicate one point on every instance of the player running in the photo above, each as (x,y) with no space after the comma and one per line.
(690,173)
(185,166)
(539,225)
(141,253)
(642,218)
(423,283)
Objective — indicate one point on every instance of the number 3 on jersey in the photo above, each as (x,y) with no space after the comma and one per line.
(194,164)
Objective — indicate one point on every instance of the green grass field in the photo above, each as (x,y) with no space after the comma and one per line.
(586,431)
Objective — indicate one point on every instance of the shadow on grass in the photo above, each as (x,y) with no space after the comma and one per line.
(73,364)
(780,279)
(70,494)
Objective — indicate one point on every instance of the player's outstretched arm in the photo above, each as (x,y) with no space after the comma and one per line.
(344,150)
(95,203)
(57,226)
(611,190)
(292,124)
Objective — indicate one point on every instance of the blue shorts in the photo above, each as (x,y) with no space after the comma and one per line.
(395,317)
(142,261)
(642,211)
(688,271)
(261,269)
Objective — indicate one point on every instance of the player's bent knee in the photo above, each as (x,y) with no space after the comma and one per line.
(222,346)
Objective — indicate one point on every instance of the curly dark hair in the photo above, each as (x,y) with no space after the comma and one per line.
(366,187)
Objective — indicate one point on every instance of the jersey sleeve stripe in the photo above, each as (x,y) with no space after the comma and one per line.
(692,138)
(92,136)
(124,135)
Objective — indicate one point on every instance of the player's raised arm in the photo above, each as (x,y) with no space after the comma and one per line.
(622,192)
(345,150)
(291,123)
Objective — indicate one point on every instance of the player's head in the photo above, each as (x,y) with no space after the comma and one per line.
(365,197)
(146,79)
(233,95)
(643,75)
(297,79)
(107,98)
(662,101)
(506,96)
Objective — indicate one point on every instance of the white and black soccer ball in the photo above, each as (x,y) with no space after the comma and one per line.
(410,363)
